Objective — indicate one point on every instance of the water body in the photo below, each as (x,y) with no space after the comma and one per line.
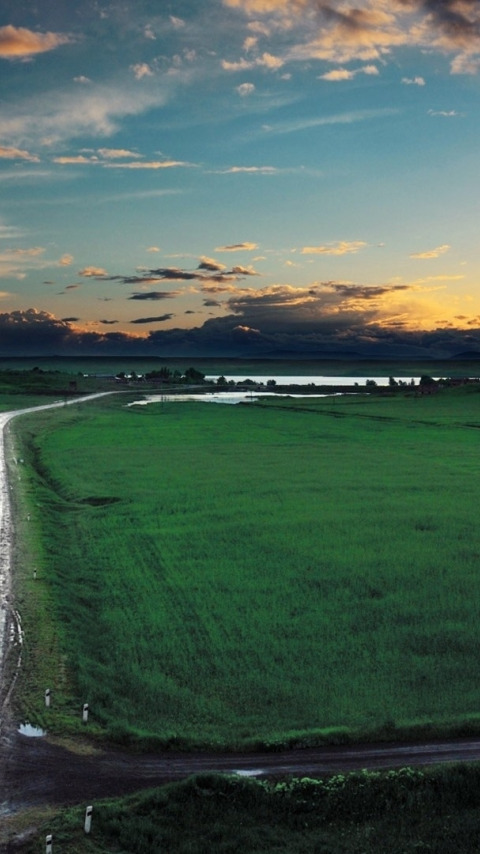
(309,380)
(233,396)
(210,397)
(31,731)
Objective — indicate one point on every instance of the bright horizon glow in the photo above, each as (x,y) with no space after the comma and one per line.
(242,177)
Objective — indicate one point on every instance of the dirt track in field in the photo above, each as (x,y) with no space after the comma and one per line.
(39,772)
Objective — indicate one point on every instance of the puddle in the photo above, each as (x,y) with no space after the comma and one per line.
(31,731)
(247,772)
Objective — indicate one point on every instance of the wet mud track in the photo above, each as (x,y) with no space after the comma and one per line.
(37,772)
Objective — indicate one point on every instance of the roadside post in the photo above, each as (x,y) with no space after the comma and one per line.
(88,819)
(47,698)
(85,713)
(48,844)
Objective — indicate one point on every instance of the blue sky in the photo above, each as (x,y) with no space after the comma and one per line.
(240,177)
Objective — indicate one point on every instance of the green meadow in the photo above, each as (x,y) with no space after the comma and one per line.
(291,571)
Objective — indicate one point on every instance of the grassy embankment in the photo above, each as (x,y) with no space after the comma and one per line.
(402,812)
(21,389)
(271,574)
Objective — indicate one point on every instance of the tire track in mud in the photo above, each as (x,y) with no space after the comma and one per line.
(40,772)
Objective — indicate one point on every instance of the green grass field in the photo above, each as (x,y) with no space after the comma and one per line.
(260,573)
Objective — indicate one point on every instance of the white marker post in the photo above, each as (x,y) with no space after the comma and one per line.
(88,819)
(85,713)
(48,844)
(34,574)
(47,698)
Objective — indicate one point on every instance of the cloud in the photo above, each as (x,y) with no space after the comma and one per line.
(16,263)
(320,321)
(11,153)
(152,164)
(33,332)
(209,270)
(343,247)
(117,153)
(82,79)
(250,43)
(177,23)
(333,313)
(64,160)
(108,322)
(173,273)
(237,247)
(266,60)
(66,260)
(465,64)
(54,117)
(372,30)
(24,253)
(107,157)
(349,118)
(161,319)
(211,265)
(223,287)
(245,89)
(338,74)
(9,232)
(249,170)
(141,69)
(18,42)
(149,33)
(244,271)
(153,295)
(326,317)
(425,280)
(93,272)
(431,253)
(413,81)
(329,314)
(444,113)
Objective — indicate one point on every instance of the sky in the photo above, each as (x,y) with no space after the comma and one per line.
(240,177)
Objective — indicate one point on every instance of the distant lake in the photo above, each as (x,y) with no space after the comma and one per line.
(233,396)
(216,397)
(292,379)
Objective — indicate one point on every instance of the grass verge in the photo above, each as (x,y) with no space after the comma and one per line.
(400,812)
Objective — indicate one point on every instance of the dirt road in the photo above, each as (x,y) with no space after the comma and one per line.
(39,772)
(9,618)
(10,624)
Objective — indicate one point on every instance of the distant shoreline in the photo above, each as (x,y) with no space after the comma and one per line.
(253,367)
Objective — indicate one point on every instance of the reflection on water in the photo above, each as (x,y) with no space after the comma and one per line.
(246,772)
